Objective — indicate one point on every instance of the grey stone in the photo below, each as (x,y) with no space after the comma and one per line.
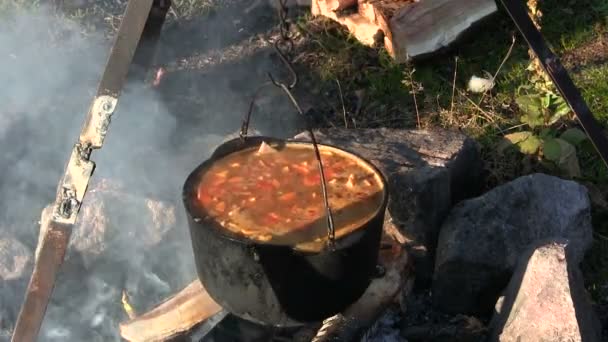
(436,148)
(482,239)
(421,168)
(15,259)
(115,224)
(546,300)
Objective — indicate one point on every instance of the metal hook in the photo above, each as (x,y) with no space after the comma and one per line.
(294,75)
(245,124)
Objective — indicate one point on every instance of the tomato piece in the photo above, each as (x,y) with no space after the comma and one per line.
(217,181)
(264,185)
(303,170)
(312,180)
(272,219)
(329,173)
(290,196)
(311,212)
(203,196)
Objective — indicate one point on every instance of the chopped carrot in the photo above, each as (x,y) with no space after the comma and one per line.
(217,181)
(301,169)
(220,207)
(203,196)
(235,165)
(290,196)
(312,180)
(275,183)
(235,179)
(285,169)
(311,212)
(264,185)
(272,219)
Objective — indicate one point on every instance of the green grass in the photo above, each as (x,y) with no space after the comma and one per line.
(567,26)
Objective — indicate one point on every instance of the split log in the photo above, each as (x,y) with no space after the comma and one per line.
(177,315)
(411,28)
(180,314)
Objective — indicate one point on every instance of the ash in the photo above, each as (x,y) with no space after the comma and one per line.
(387,328)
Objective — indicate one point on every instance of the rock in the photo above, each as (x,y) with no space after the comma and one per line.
(422,168)
(16,262)
(546,300)
(15,259)
(113,223)
(482,239)
(437,148)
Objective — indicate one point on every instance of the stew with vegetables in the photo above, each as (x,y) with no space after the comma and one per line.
(271,193)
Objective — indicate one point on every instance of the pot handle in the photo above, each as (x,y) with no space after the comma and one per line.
(331,233)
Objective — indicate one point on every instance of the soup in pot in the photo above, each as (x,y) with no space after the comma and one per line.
(271,193)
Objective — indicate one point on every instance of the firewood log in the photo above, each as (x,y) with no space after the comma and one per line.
(178,314)
(411,28)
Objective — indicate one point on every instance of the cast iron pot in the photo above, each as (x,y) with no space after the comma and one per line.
(276,284)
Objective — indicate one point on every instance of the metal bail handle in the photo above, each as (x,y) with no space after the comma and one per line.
(287,42)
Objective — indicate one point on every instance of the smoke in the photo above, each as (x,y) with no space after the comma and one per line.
(49,69)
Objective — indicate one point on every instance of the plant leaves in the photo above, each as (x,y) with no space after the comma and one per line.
(561,107)
(517,137)
(574,136)
(532,119)
(526,142)
(546,133)
(530,145)
(547,100)
(568,161)
(552,150)
(531,104)
(512,140)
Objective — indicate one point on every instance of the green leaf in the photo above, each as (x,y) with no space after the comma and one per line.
(546,100)
(530,145)
(552,150)
(574,136)
(517,137)
(568,161)
(547,133)
(533,119)
(526,142)
(512,140)
(531,104)
(561,107)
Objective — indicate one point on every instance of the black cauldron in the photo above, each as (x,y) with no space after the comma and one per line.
(279,285)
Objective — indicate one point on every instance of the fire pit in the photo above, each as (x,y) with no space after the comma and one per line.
(298,276)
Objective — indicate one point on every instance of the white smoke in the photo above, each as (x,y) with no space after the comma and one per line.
(49,69)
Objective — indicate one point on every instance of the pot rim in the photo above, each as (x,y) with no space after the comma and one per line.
(193,178)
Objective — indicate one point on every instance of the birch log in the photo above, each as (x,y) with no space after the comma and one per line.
(411,28)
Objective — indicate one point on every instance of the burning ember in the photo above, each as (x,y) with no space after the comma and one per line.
(127,306)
